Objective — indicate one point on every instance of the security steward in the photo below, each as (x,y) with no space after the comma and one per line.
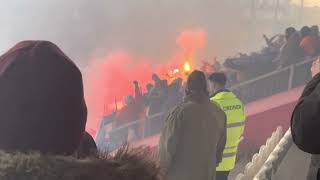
(234,110)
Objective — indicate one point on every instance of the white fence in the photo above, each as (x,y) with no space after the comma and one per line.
(271,165)
(259,159)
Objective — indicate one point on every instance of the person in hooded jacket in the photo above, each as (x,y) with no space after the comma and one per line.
(291,52)
(42,121)
(308,42)
(42,105)
(192,141)
(305,122)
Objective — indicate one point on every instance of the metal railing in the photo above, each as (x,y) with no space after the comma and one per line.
(260,87)
(274,82)
(133,131)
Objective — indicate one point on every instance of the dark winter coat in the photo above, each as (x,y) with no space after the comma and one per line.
(305,122)
(125,165)
(193,139)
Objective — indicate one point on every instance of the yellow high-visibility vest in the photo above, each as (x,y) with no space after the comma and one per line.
(234,110)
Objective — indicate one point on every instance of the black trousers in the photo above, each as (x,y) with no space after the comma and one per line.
(222,175)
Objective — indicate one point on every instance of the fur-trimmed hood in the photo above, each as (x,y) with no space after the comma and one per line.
(125,165)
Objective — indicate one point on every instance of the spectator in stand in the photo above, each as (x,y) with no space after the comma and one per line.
(127,112)
(194,136)
(175,95)
(133,109)
(291,52)
(146,95)
(276,42)
(305,122)
(149,88)
(316,35)
(157,96)
(209,68)
(216,65)
(308,42)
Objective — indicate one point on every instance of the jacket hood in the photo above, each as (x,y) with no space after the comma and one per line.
(125,165)
(42,105)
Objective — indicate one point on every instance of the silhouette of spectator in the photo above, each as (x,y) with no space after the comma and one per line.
(308,42)
(157,96)
(42,106)
(291,52)
(316,35)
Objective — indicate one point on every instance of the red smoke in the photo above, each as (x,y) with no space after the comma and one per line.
(110,79)
(192,40)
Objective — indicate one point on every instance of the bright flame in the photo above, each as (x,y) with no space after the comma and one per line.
(176,71)
(187,67)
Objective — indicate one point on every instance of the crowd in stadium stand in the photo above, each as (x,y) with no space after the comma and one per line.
(281,50)
(43,113)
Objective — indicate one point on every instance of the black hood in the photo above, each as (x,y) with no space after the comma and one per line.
(42,104)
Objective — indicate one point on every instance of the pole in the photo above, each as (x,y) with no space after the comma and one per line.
(276,14)
(301,11)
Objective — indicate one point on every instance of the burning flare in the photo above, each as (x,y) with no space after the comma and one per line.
(187,67)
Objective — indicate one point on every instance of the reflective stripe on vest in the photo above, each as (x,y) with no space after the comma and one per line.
(237,124)
(234,110)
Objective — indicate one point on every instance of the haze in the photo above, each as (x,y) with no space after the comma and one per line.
(89,28)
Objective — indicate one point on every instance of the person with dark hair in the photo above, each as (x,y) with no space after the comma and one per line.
(157,96)
(194,136)
(42,106)
(289,32)
(291,52)
(87,147)
(218,80)
(308,42)
(234,110)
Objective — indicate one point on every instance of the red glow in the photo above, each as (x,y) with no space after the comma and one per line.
(108,80)
(192,40)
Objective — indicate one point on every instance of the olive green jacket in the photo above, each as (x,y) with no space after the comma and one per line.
(193,140)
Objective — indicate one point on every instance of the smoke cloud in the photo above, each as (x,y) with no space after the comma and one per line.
(108,80)
(91,32)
